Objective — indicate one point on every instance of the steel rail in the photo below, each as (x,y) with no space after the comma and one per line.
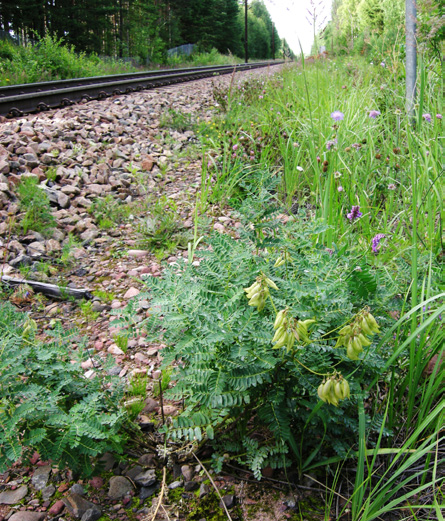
(17,100)
(25,88)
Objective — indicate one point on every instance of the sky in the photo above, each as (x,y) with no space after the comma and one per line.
(291,23)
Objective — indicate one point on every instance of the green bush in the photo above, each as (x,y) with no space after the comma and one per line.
(35,203)
(258,402)
(47,404)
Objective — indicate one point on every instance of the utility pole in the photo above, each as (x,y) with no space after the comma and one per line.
(273,41)
(246,47)
(411,56)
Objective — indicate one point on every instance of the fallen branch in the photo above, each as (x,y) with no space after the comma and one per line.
(50,290)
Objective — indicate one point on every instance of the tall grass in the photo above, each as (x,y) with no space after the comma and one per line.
(392,170)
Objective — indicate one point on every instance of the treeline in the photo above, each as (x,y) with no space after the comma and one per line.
(144,28)
(375,26)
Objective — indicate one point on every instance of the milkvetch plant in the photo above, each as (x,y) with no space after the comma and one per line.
(251,339)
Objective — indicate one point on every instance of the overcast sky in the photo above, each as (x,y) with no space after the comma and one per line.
(290,20)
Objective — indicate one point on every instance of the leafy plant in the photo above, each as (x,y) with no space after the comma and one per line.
(176,120)
(262,402)
(35,203)
(162,229)
(86,308)
(108,211)
(47,405)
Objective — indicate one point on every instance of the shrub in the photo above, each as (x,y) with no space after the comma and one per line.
(47,404)
(260,400)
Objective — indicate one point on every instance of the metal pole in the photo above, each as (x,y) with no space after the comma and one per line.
(273,41)
(411,56)
(246,47)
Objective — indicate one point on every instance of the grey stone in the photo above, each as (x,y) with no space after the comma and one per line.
(36,249)
(119,487)
(133,472)
(48,491)
(24,515)
(190,486)
(92,514)
(145,479)
(176,484)
(114,371)
(77,488)
(188,472)
(20,260)
(203,490)
(147,460)
(229,501)
(11,497)
(40,477)
(63,200)
(89,235)
(77,505)
(147,492)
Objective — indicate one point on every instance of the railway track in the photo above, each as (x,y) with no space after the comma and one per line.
(18,100)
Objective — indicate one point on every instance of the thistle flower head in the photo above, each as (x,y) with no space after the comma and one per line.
(354,214)
(374,113)
(427,117)
(337,115)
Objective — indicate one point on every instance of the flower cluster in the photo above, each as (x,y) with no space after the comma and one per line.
(354,214)
(337,115)
(376,241)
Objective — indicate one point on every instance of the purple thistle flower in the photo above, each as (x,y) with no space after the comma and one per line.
(354,214)
(382,64)
(391,186)
(235,147)
(427,117)
(374,113)
(331,143)
(340,189)
(376,241)
(337,115)
(439,116)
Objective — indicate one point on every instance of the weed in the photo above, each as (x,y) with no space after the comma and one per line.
(35,203)
(104,296)
(86,308)
(176,120)
(121,340)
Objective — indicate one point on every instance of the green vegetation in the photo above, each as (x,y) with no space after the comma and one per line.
(46,403)
(52,59)
(341,203)
(35,203)
(162,230)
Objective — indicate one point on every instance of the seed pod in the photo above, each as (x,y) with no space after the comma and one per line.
(363,340)
(372,323)
(345,389)
(290,341)
(357,345)
(320,392)
(271,283)
(279,262)
(338,390)
(350,351)
(278,333)
(345,330)
(365,327)
(281,315)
